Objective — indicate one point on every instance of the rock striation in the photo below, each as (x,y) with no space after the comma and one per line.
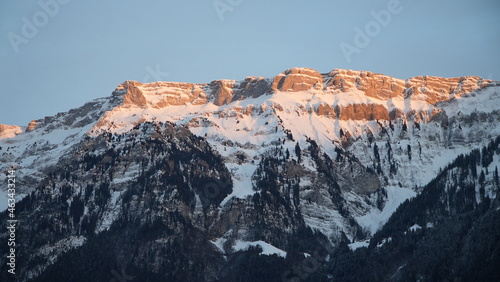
(379,97)
(430,89)
(298,79)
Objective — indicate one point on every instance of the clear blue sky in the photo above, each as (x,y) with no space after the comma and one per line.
(81,50)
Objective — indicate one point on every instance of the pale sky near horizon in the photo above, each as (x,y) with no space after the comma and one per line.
(58,54)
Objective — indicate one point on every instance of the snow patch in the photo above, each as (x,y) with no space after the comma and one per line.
(267,249)
(415,227)
(359,244)
(374,220)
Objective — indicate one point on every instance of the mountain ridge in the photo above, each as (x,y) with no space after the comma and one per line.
(256,162)
(296,79)
(374,85)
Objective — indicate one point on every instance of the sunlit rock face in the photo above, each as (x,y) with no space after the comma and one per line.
(364,112)
(298,79)
(383,97)
(160,94)
(32,125)
(430,89)
(9,131)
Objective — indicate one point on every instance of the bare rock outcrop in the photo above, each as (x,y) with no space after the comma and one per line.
(134,96)
(364,112)
(32,125)
(298,79)
(160,94)
(222,91)
(430,89)
(438,89)
(374,85)
(325,110)
(9,131)
(252,87)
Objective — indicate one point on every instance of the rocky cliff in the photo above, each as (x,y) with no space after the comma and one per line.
(231,173)
(9,131)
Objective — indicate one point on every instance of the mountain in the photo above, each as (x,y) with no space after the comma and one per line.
(449,232)
(221,181)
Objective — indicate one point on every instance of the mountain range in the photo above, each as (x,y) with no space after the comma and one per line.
(306,176)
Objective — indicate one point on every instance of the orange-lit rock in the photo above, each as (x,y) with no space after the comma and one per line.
(134,96)
(222,91)
(364,112)
(31,125)
(298,79)
(426,88)
(374,85)
(325,110)
(369,96)
(9,131)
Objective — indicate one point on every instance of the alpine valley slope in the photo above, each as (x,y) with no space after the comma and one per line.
(300,161)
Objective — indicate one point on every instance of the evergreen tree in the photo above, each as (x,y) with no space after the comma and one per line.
(496,177)
(481,177)
(375,152)
(298,151)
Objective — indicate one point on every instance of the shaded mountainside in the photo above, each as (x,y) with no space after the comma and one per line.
(146,205)
(301,177)
(149,182)
(450,232)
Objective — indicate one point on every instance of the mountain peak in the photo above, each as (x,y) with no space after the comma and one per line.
(9,131)
(238,163)
(344,95)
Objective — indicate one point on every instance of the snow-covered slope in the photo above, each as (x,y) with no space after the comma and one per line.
(239,164)
(404,130)
(45,141)
(401,131)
